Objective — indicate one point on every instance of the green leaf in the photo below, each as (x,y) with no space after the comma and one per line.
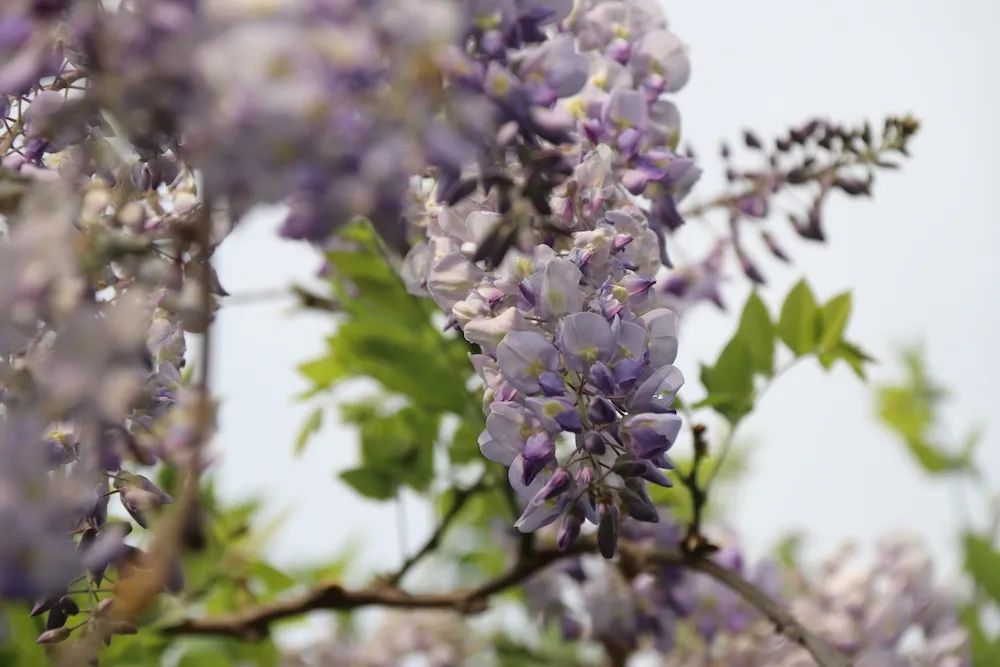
(272,579)
(788,550)
(798,325)
(758,333)
(309,428)
(910,409)
(387,334)
(730,381)
(982,561)
(465,443)
(371,483)
(833,318)
(396,448)
(850,354)
(984,650)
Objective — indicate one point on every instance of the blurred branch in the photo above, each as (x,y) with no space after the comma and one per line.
(254,622)
(306,298)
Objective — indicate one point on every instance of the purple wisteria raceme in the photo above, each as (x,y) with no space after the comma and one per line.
(553,277)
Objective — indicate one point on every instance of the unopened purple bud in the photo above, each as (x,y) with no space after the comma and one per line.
(552,384)
(593,442)
(593,129)
(584,476)
(44,605)
(654,85)
(751,270)
(581,257)
(538,451)
(634,181)
(637,285)
(569,530)
(622,240)
(654,475)
(628,141)
(492,295)
(492,43)
(773,246)
(558,483)
(570,628)
(507,133)
(601,377)
(620,50)
(527,292)
(626,372)
(662,461)
(629,466)
(729,558)
(53,636)
(637,503)
(569,420)
(754,205)
(601,410)
(607,530)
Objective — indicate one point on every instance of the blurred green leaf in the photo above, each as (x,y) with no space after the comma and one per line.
(798,324)
(465,443)
(730,382)
(850,354)
(272,579)
(982,561)
(984,649)
(18,648)
(310,427)
(758,332)
(833,318)
(910,409)
(371,483)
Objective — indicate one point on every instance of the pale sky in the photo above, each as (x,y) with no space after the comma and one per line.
(919,258)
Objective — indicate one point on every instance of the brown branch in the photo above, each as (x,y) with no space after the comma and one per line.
(254,622)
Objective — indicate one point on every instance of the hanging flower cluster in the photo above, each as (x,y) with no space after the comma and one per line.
(553,279)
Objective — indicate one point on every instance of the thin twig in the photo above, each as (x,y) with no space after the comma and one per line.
(462,496)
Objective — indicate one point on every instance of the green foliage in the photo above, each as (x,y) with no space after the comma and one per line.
(982,562)
(310,427)
(910,409)
(798,325)
(387,335)
(730,382)
(803,326)
(396,449)
(809,328)
(984,649)
(17,637)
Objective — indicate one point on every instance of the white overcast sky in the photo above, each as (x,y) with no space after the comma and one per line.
(920,258)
